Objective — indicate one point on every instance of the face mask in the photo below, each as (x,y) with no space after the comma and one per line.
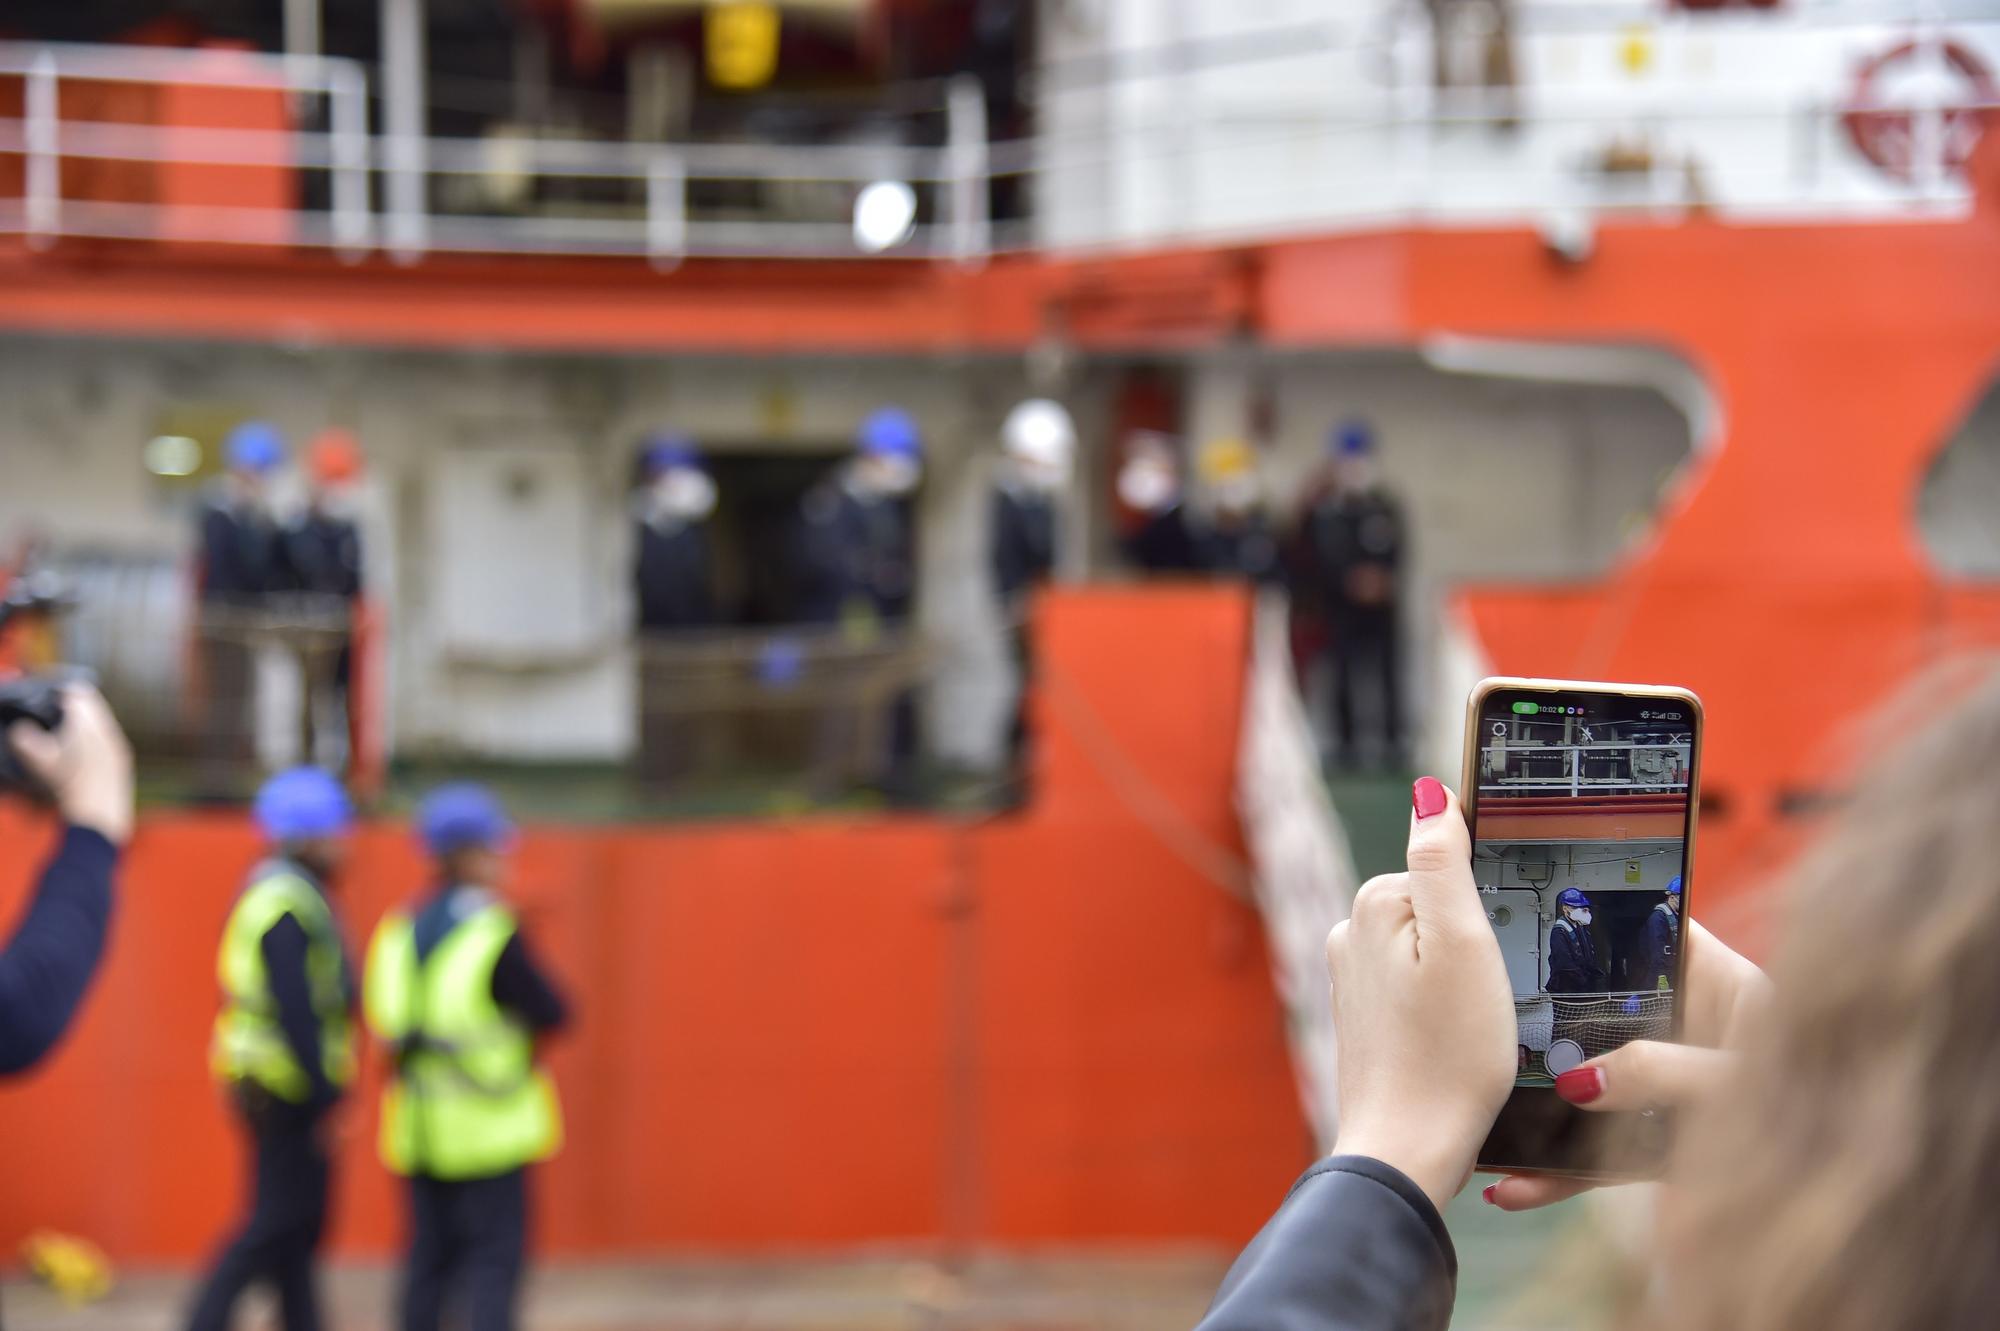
(1354,475)
(1041,477)
(336,501)
(685,493)
(1146,485)
(1581,916)
(891,476)
(1238,494)
(247,488)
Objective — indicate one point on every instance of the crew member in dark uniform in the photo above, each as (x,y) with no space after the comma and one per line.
(1040,442)
(1573,965)
(672,575)
(240,568)
(321,563)
(855,545)
(1236,541)
(1159,538)
(1353,539)
(672,581)
(1575,973)
(854,552)
(1663,928)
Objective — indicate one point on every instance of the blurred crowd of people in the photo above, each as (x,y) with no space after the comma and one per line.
(282,562)
(854,566)
(278,577)
(850,573)
(1340,556)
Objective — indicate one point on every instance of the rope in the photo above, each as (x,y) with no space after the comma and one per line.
(1216,862)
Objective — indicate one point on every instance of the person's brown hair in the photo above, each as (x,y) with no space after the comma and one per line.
(1849,1178)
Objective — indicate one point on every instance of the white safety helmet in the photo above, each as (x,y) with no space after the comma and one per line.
(1040,433)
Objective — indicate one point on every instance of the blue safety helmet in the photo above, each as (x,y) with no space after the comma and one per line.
(463,816)
(1674,886)
(1353,438)
(303,803)
(1573,896)
(670,449)
(254,446)
(890,432)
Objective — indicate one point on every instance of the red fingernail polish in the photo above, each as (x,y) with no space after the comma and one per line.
(1427,797)
(1488,1191)
(1580,1086)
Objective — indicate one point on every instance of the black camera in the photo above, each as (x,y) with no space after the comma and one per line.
(33,698)
(37,700)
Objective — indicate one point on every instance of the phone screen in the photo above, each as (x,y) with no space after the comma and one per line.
(1581,803)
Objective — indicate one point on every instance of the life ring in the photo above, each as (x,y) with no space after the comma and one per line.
(1887,135)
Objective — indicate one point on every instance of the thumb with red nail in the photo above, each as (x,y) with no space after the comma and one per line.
(1422,1008)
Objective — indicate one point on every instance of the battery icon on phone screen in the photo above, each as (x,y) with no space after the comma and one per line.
(1526,708)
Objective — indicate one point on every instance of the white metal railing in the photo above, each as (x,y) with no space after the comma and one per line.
(1355,160)
(1650,768)
(44,138)
(658,224)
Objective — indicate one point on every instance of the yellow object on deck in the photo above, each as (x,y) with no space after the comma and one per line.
(76,1269)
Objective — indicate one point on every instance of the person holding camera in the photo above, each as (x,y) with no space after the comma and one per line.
(84,765)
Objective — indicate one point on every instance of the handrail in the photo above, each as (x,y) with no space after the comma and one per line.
(1336,33)
(656,189)
(1573,756)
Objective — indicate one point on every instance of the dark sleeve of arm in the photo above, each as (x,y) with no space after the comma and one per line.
(1562,961)
(216,570)
(290,567)
(350,561)
(1004,549)
(49,961)
(1045,545)
(815,577)
(284,949)
(704,580)
(1355,1247)
(521,986)
(996,539)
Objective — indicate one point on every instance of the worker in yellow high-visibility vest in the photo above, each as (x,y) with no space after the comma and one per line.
(284,1043)
(454,991)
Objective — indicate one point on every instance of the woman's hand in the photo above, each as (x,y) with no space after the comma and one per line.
(1724,991)
(1423,1009)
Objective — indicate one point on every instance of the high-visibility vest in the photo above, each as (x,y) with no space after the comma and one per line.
(248,1044)
(466,1099)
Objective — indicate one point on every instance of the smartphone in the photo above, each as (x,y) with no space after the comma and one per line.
(1581,799)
